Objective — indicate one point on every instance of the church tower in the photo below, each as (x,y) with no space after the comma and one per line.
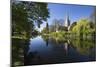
(67,22)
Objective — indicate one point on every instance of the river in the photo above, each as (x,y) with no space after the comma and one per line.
(49,51)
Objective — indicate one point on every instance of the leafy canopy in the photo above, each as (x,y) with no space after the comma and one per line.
(84,26)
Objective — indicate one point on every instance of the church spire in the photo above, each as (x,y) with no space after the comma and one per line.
(67,21)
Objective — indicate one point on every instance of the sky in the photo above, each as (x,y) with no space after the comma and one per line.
(61,11)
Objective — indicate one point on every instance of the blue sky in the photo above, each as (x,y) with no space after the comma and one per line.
(61,11)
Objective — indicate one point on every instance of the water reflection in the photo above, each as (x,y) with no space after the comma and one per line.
(66,46)
(18,51)
(45,50)
(84,47)
(49,50)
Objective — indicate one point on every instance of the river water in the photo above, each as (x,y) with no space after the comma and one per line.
(49,51)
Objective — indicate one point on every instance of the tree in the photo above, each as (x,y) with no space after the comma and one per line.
(58,24)
(83,27)
(19,18)
(26,14)
(92,17)
(72,25)
(37,12)
(47,28)
(51,28)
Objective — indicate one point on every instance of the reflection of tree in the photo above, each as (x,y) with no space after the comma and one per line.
(47,42)
(19,50)
(26,48)
(46,39)
(78,46)
(84,47)
(32,58)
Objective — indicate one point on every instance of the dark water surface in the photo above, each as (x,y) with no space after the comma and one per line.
(43,50)
(47,50)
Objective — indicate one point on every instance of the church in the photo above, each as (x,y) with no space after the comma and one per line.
(67,23)
(64,27)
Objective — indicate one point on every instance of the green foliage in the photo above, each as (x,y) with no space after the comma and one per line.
(83,26)
(26,14)
(19,17)
(37,12)
(72,25)
(44,31)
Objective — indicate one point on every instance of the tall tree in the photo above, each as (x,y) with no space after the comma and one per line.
(92,17)
(47,27)
(25,14)
(37,12)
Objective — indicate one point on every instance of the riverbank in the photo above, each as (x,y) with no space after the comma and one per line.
(63,35)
